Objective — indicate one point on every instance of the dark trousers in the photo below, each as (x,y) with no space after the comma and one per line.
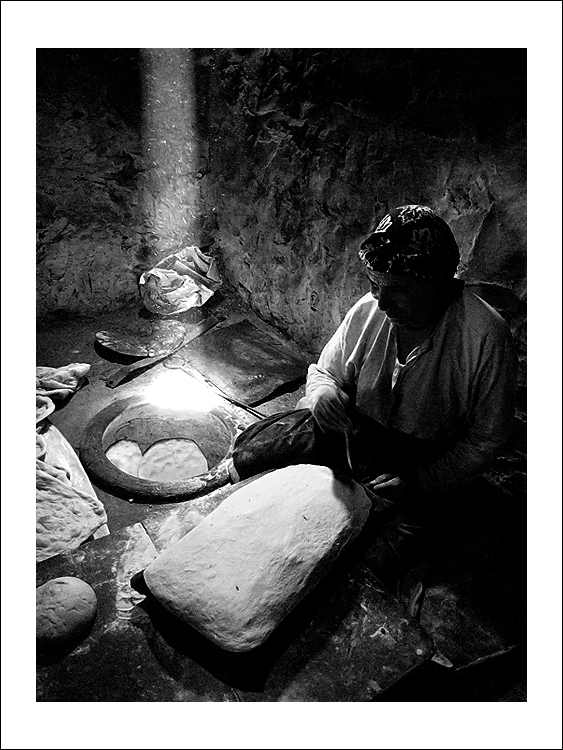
(395,535)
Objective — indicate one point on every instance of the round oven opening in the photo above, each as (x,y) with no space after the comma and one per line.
(140,451)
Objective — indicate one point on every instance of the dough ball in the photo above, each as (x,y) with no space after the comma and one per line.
(172,461)
(126,455)
(65,610)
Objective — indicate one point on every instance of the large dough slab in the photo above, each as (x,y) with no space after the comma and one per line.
(239,572)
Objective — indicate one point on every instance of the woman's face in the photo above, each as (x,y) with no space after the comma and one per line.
(408,302)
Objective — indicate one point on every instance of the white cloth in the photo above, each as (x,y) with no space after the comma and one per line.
(68,512)
(460,381)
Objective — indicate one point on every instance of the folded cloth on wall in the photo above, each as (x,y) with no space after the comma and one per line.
(67,509)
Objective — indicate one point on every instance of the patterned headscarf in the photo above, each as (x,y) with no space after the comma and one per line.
(411,240)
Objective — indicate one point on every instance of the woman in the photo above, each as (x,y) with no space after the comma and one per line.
(414,393)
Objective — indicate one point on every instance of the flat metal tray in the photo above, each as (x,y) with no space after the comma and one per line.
(245,362)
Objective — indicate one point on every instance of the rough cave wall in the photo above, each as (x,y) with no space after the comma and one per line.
(118,163)
(87,163)
(310,147)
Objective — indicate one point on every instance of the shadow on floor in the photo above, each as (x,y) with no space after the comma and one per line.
(502,679)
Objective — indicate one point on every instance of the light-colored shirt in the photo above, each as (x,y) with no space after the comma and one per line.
(460,381)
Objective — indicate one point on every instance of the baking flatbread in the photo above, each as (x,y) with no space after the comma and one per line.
(173,461)
(126,455)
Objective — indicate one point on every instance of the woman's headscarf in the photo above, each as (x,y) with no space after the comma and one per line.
(411,240)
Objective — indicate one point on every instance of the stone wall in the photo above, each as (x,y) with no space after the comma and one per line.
(88,159)
(310,147)
(119,164)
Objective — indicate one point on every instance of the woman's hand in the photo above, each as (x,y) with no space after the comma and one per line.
(329,410)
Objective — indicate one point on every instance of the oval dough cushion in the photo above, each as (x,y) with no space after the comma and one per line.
(237,574)
(65,609)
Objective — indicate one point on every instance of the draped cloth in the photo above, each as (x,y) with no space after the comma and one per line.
(68,512)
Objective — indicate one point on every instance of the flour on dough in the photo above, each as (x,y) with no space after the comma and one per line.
(172,461)
(126,455)
(238,573)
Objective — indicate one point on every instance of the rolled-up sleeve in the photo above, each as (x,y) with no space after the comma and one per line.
(334,369)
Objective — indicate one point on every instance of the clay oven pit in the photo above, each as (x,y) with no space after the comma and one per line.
(145,430)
